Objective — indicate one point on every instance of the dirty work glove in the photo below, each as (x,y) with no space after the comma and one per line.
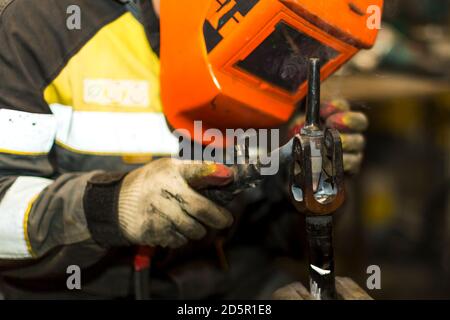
(157,205)
(351,125)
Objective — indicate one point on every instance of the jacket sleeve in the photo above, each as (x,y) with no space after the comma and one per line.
(43,224)
(39,215)
(40,219)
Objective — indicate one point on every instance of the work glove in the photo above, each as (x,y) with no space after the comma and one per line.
(159,205)
(351,125)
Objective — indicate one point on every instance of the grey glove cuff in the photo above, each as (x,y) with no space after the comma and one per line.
(100,202)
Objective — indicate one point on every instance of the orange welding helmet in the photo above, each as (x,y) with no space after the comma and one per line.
(243,63)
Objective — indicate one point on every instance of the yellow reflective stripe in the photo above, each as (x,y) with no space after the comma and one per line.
(22,153)
(25,225)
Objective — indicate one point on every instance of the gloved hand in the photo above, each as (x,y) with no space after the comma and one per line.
(337,114)
(159,207)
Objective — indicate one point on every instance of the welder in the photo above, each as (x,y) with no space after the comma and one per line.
(85,141)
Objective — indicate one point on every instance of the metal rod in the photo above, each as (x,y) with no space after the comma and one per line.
(313,99)
(319,230)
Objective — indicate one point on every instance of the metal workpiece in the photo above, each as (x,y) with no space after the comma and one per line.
(318,200)
(317,188)
(317,170)
(317,183)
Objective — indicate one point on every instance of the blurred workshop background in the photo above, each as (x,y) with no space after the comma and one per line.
(401,220)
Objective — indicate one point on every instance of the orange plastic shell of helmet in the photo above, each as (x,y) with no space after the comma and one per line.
(229,63)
